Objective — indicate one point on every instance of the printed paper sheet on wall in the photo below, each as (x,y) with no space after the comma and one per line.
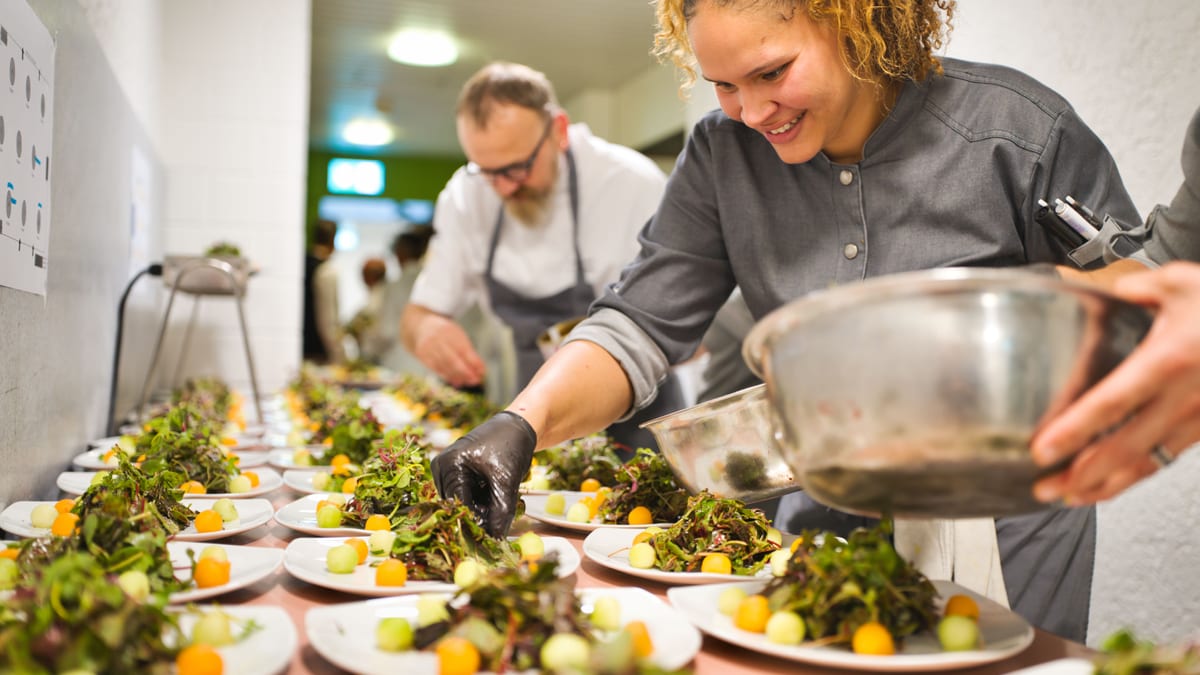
(26,124)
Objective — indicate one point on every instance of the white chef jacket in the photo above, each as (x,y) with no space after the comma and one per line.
(619,189)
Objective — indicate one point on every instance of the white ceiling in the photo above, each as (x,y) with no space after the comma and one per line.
(579,44)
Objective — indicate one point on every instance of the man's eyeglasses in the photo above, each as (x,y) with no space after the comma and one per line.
(516,172)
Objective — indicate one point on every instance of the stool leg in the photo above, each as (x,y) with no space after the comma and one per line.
(187,341)
(249,358)
(157,352)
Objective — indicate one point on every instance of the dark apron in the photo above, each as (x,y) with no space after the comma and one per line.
(529,317)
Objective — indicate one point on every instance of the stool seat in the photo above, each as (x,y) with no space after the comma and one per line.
(201,276)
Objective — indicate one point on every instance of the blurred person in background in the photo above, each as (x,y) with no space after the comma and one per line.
(383,343)
(365,322)
(322,339)
(535,226)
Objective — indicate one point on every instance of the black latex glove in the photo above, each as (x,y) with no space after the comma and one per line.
(484,469)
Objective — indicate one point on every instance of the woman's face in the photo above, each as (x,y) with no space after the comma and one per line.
(784,78)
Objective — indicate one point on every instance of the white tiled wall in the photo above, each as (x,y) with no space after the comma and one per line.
(234,137)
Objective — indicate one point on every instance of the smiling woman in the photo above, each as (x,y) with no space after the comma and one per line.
(835,116)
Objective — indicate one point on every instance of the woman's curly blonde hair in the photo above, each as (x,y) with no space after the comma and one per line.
(882,40)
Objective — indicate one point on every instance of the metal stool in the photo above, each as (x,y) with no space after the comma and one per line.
(227,280)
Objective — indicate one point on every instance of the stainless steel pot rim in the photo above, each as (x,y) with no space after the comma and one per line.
(923,282)
(710,407)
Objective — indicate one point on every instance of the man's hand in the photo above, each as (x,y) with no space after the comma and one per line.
(442,345)
(1154,390)
(484,469)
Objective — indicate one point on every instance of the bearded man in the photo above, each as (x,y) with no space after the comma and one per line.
(540,221)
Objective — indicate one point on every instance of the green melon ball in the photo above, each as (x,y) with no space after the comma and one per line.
(329,516)
(226,509)
(642,556)
(239,484)
(341,559)
(556,504)
(785,628)
(213,629)
(380,542)
(565,652)
(215,552)
(135,583)
(579,513)
(606,613)
(394,634)
(958,633)
(43,515)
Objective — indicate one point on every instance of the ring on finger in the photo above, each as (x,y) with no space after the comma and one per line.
(1161,456)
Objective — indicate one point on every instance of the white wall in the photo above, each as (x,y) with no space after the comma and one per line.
(1131,70)
(56,362)
(128,33)
(234,139)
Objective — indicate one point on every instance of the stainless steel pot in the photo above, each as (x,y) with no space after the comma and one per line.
(727,446)
(918,393)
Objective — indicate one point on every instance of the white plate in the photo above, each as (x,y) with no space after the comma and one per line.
(247,565)
(1059,667)
(535,507)
(249,459)
(104,443)
(345,634)
(440,437)
(387,410)
(301,516)
(300,480)
(305,560)
(77,482)
(284,458)
(1003,633)
(609,546)
(266,651)
(93,460)
(251,513)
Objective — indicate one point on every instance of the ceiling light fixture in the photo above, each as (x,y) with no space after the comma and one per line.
(368,131)
(422,47)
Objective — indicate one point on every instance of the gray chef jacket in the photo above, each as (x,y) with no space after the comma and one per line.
(1175,229)
(951,177)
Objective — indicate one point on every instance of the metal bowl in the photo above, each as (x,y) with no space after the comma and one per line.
(726,446)
(918,393)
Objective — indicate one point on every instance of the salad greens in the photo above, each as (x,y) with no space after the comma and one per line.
(72,616)
(125,520)
(438,403)
(223,249)
(392,480)
(1126,654)
(352,430)
(512,612)
(836,586)
(184,441)
(645,480)
(588,457)
(433,536)
(714,525)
